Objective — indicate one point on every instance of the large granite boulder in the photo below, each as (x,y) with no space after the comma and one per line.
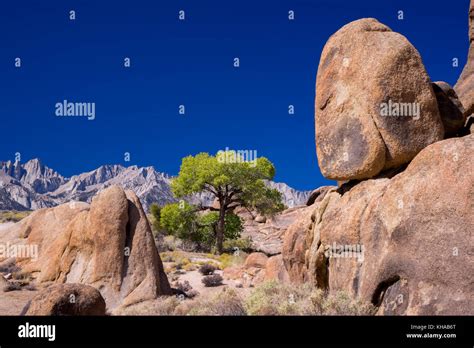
(404,243)
(375,106)
(108,245)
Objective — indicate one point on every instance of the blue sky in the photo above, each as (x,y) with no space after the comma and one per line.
(188,62)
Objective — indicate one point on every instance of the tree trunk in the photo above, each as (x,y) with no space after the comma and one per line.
(220,230)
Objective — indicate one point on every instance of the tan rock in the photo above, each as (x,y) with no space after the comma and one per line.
(366,68)
(465,85)
(257,260)
(411,236)
(275,270)
(268,237)
(67,299)
(108,245)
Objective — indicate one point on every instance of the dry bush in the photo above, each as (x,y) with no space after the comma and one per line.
(207,269)
(273,298)
(160,306)
(212,280)
(226,302)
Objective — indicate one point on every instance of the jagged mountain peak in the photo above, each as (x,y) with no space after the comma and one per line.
(33,185)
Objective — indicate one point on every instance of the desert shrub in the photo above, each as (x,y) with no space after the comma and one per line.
(229,260)
(241,244)
(190,267)
(207,269)
(341,303)
(160,306)
(9,267)
(212,280)
(22,277)
(12,286)
(273,298)
(13,216)
(224,303)
(183,286)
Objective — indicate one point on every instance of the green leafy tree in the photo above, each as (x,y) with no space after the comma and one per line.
(232,181)
(155,211)
(183,221)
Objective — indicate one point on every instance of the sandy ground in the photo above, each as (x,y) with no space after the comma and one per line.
(12,303)
(5,225)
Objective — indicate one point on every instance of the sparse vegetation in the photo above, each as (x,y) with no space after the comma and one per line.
(13,216)
(207,269)
(271,298)
(226,303)
(212,280)
(241,244)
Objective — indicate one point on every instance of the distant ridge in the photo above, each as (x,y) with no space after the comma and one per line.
(32,185)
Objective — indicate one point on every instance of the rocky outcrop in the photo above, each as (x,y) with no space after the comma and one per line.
(108,245)
(267,237)
(450,109)
(258,268)
(465,85)
(67,299)
(318,194)
(375,107)
(258,260)
(404,243)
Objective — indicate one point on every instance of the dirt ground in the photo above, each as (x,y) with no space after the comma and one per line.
(12,303)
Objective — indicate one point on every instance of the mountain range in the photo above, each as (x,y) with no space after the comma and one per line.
(32,185)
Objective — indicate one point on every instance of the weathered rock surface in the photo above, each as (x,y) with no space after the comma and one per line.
(275,270)
(267,237)
(465,85)
(411,236)
(450,108)
(67,299)
(366,68)
(318,194)
(258,260)
(108,245)
(257,269)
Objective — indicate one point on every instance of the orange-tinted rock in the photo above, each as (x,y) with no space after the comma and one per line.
(367,71)
(67,299)
(108,245)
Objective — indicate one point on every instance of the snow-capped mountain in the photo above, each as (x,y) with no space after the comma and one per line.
(32,185)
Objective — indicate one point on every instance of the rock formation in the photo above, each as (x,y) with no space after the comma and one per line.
(108,245)
(402,240)
(465,85)
(450,109)
(375,107)
(258,268)
(267,237)
(67,299)
(407,241)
